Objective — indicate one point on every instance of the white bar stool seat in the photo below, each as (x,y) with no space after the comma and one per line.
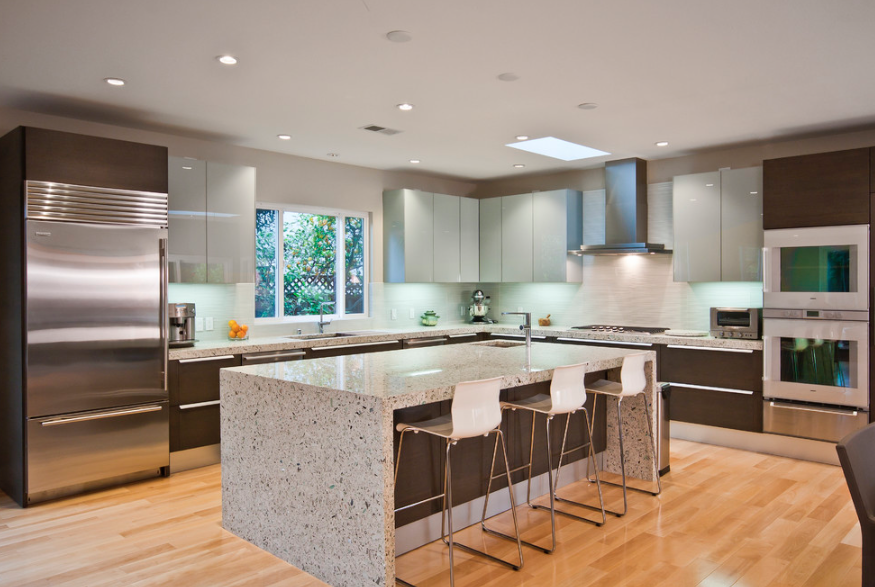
(475,411)
(633,382)
(567,396)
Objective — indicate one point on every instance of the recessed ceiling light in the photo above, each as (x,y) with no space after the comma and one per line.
(522,137)
(115,81)
(405,106)
(334,154)
(558,149)
(754,193)
(518,165)
(588,106)
(284,137)
(709,185)
(662,144)
(508,77)
(415,161)
(187,167)
(399,36)
(227,59)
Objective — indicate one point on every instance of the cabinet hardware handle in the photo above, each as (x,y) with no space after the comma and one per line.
(709,348)
(101,415)
(709,388)
(607,342)
(199,405)
(817,410)
(462,335)
(416,341)
(516,336)
(204,359)
(255,357)
(349,346)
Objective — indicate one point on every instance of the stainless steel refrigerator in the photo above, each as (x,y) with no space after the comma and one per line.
(96,396)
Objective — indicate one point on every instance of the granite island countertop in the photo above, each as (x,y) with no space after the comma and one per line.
(279,343)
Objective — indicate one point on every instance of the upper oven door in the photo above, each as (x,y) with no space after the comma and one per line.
(820,361)
(824,268)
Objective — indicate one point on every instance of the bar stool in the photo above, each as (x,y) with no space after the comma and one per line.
(475,411)
(567,396)
(633,383)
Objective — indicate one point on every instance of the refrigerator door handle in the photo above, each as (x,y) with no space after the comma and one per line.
(162,262)
(101,415)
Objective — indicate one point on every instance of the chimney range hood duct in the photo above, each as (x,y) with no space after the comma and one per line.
(625,211)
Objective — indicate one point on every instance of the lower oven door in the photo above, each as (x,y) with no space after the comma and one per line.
(810,421)
(819,361)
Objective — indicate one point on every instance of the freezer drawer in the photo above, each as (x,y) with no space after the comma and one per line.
(810,421)
(71,452)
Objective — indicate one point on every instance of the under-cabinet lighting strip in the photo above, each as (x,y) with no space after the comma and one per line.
(709,348)
(709,388)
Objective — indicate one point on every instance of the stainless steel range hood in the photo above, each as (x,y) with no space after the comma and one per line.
(625,211)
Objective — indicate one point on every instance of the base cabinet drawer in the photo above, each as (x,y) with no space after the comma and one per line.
(726,408)
(353,349)
(808,421)
(712,367)
(197,425)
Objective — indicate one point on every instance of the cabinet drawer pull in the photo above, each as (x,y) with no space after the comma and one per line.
(101,415)
(418,341)
(350,346)
(516,336)
(817,410)
(607,342)
(709,388)
(257,357)
(462,335)
(709,348)
(199,405)
(203,359)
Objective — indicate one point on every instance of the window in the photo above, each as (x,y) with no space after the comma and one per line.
(307,257)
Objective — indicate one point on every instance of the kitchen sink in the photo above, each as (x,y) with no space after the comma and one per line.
(502,344)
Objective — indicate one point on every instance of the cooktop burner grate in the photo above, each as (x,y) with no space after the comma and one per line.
(607,328)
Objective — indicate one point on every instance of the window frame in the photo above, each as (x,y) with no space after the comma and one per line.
(340,260)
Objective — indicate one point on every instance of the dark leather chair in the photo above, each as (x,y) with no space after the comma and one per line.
(857,456)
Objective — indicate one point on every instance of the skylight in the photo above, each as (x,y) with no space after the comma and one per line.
(558,149)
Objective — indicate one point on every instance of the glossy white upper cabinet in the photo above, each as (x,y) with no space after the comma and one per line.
(469,239)
(212,222)
(516,238)
(187,221)
(741,223)
(447,239)
(557,227)
(408,236)
(718,230)
(230,223)
(490,240)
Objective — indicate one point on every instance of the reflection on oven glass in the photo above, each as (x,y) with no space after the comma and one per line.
(816,269)
(816,361)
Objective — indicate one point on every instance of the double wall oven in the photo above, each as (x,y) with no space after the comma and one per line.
(816,331)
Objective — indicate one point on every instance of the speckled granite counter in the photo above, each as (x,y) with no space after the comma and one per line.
(277,343)
(307,446)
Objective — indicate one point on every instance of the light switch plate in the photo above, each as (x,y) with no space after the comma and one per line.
(393,313)
(208,323)
(412,314)
(198,324)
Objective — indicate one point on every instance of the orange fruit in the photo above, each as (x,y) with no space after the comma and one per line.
(232,323)
(241,334)
(232,334)
(244,328)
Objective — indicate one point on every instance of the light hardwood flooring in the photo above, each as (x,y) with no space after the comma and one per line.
(726,517)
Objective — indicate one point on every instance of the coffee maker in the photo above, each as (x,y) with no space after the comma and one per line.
(479,307)
(181,331)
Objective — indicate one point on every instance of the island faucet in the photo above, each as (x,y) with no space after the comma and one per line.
(322,323)
(526,327)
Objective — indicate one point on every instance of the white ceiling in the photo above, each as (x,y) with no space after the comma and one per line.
(696,73)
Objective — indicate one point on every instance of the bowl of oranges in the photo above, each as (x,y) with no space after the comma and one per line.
(237,331)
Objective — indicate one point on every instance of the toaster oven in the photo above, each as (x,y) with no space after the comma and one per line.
(736,322)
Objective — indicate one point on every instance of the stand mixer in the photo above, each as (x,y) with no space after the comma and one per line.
(479,307)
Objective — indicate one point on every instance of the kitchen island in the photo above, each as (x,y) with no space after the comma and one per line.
(308,453)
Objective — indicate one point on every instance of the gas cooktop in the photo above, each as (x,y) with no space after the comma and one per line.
(619,329)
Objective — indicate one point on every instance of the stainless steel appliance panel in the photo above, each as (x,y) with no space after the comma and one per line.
(808,421)
(95,332)
(73,450)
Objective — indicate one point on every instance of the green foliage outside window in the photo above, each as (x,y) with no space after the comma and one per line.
(309,246)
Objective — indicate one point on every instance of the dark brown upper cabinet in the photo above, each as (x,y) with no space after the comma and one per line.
(872,170)
(825,189)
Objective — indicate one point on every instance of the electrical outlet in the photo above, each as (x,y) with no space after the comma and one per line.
(393,313)
(462,311)
(412,314)
(208,323)
(198,324)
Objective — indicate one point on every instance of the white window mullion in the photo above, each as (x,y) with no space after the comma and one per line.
(339,267)
(280,266)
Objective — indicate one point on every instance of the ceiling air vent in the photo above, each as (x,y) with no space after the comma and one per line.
(381,129)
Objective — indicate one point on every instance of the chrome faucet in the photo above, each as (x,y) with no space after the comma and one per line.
(322,323)
(526,327)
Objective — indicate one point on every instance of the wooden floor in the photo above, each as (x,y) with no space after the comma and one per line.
(726,517)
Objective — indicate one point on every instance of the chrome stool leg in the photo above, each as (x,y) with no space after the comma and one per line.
(590,460)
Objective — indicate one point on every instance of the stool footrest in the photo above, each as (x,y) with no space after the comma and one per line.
(486,554)
(426,500)
(638,489)
(513,539)
(569,514)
